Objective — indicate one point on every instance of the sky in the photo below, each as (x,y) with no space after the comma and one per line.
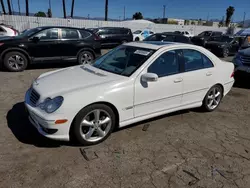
(184,9)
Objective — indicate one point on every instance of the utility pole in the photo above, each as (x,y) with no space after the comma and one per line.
(164,11)
(106,10)
(19,9)
(124,13)
(9,7)
(243,23)
(88,16)
(64,9)
(72,8)
(3,7)
(50,5)
(207,16)
(27,7)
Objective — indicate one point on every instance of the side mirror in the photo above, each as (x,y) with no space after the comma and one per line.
(149,77)
(35,39)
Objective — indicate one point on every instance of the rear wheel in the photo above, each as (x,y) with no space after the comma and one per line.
(94,124)
(213,98)
(85,57)
(137,39)
(225,52)
(15,61)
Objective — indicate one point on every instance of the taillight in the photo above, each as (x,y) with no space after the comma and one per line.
(1,44)
(15,32)
(232,75)
(96,37)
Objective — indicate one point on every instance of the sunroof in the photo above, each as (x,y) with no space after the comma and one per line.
(159,43)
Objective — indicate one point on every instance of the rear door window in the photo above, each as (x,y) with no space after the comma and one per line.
(85,34)
(169,38)
(193,60)
(70,34)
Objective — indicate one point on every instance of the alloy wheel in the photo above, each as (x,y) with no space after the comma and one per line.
(16,62)
(86,58)
(213,98)
(95,125)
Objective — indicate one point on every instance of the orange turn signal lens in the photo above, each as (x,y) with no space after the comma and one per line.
(61,121)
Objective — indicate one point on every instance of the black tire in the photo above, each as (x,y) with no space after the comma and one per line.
(205,104)
(124,41)
(15,61)
(76,129)
(85,57)
(225,52)
(137,39)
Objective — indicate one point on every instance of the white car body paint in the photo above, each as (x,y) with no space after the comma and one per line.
(84,85)
(187,34)
(144,34)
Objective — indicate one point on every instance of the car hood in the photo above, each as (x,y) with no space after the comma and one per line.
(69,79)
(245,52)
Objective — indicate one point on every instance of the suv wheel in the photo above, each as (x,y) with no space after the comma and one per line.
(225,52)
(137,39)
(85,57)
(15,61)
(93,124)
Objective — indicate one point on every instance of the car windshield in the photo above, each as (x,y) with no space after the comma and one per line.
(205,33)
(123,60)
(29,32)
(137,32)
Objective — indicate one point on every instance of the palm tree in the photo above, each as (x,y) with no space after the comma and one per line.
(9,7)
(72,8)
(4,12)
(230,12)
(106,10)
(27,7)
(64,9)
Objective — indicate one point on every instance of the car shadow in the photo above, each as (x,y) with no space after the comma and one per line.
(51,65)
(242,80)
(25,132)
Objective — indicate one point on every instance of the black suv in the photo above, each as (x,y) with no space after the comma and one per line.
(113,36)
(206,36)
(49,44)
(168,37)
(224,46)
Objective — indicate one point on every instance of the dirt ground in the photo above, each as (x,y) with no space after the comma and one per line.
(183,149)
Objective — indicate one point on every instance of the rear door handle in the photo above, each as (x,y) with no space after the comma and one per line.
(178,80)
(209,73)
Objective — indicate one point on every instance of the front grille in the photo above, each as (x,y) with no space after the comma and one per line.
(34,97)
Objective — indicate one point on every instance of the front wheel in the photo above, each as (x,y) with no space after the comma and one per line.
(94,124)
(213,98)
(15,61)
(137,39)
(85,57)
(225,52)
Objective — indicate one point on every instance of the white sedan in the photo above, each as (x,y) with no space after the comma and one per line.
(131,83)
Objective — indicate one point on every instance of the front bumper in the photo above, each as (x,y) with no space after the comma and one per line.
(46,127)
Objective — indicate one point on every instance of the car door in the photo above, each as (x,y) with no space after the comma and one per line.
(166,92)
(197,78)
(69,43)
(44,45)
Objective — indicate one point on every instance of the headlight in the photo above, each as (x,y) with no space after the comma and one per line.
(51,105)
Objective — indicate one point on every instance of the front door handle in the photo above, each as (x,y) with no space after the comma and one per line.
(178,80)
(209,73)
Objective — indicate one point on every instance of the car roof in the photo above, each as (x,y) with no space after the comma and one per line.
(48,27)
(155,45)
(112,28)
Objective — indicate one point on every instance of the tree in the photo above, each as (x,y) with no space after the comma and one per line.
(137,16)
(40,14)
(221,23)
(200,22)
(49,13)
(193,23)
(106,10)
(229,14)
(27,7)
(186,22)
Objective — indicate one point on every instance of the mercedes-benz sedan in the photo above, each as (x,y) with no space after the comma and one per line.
(131,83)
